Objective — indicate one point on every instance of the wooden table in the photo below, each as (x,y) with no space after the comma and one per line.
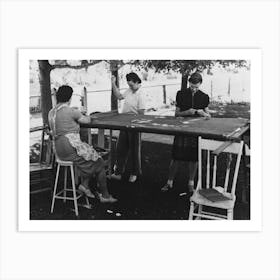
(224,129)
(215,128)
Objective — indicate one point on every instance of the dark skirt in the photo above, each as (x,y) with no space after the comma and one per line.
(87,168)
(185,148)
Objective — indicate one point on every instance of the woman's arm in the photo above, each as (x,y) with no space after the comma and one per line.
(80,117)
(84,119)
(206,110)
(115,89)
(204,113)
(189,112)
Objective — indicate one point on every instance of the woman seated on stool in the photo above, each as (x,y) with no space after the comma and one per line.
(189,103)
(65,125)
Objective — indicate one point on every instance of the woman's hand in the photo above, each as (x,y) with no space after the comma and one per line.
(113,79)
(83,110)
(191,111)
(202,113)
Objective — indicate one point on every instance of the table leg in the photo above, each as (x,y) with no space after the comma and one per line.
(245,185)
(139,154)
(100,141)
(89,137)
(110,155)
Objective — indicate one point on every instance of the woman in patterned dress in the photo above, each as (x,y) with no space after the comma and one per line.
(65,126)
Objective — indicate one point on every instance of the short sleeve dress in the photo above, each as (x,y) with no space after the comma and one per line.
(64,124)
(185,148)
(133,101)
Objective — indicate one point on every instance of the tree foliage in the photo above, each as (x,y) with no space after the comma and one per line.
(184,67)
(180,66)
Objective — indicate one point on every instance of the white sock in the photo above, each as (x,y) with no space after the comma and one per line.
(170,183)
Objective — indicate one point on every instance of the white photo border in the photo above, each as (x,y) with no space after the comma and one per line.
(24,222)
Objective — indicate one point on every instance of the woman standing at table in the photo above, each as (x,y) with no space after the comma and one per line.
(134,102)
(65,123)
(191,102)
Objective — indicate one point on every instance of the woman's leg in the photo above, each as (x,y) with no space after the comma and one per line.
(192,173)
(85,181)
(101,178)
(173,167)
(102,183)
(135,148)
(84,186)
(122,152)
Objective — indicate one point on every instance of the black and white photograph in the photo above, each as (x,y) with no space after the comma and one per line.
(102,142)
(140,139)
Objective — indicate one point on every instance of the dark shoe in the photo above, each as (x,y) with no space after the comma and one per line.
(166,187)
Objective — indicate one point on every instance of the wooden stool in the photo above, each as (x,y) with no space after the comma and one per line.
(63,193)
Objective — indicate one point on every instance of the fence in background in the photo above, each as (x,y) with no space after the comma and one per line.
(163,92)
(225,89)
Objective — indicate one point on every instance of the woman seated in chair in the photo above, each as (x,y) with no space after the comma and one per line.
(65,126)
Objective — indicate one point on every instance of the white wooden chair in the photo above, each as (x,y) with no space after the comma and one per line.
(213,149)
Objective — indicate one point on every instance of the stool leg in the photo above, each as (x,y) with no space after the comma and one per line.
(65,183)
(55,187)
(74,190)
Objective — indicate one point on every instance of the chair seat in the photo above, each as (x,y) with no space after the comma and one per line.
(226,204)
(64,163)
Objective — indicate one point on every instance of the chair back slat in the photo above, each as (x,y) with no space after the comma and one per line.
(208,170)
(229,160)
(214,172)
(237,168)
(199,181)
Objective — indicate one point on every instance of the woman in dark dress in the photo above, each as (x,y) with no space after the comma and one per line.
(191,102)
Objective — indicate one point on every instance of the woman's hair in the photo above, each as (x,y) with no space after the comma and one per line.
(64,94)
(133,77)
(195,78)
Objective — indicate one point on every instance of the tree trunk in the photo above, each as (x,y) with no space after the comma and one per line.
(184,81)
(114,72)
(186,70)
(45,88)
